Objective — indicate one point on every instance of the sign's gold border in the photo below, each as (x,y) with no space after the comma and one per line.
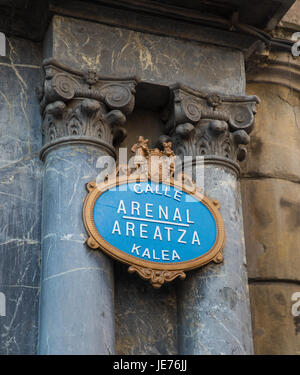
(170,270)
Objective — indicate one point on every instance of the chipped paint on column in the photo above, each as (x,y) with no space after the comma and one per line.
(20,196)
(213,302)
(76,304)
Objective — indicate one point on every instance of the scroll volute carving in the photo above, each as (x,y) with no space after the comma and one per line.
(80,104)
(210,124)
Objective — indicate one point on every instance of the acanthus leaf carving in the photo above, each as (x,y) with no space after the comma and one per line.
(210,125)
(77,106)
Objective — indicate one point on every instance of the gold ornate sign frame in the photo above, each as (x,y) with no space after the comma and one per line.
(157,273)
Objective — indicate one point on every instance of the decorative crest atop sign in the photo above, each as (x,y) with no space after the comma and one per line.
(156,221)
(154,162)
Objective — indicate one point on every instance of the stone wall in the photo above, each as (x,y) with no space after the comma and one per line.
(271,206)
(292,17)
(20,195)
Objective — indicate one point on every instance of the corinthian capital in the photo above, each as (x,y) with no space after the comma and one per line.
(81,107)
(211,125)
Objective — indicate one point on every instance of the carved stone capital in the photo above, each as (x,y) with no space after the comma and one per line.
(80,107)
(209,124)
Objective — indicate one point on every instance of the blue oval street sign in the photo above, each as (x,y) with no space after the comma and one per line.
(155,222)
(160,225)
(159,229)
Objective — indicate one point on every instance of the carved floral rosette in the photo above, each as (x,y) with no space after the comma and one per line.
(156,273)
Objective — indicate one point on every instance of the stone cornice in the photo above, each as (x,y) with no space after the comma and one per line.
(81,107)
(224,23)
(233,31)
(212,125)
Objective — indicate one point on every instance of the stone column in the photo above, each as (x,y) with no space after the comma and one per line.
(20,196)
(213,303)
(81,118)
(271,182)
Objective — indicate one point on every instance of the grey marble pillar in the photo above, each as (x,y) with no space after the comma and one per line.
(20,196)
(214,312)
(81,118)
(213,302)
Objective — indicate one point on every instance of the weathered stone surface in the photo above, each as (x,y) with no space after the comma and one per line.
(210,125)
(192,10)
(78,107)
(271,209)
(77,287)
(274,145)
(146,318)
(270,191)
(20,196)
(151,21)
(275,329)
(157,59)
(276,68)
(81,118)
(213,302)
(164,60)
(291,18)
(28,18)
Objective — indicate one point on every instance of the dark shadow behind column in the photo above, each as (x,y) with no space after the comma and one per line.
(145,318)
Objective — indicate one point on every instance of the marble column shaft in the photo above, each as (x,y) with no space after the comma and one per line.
(81,118)
(20,196)
(213,302)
